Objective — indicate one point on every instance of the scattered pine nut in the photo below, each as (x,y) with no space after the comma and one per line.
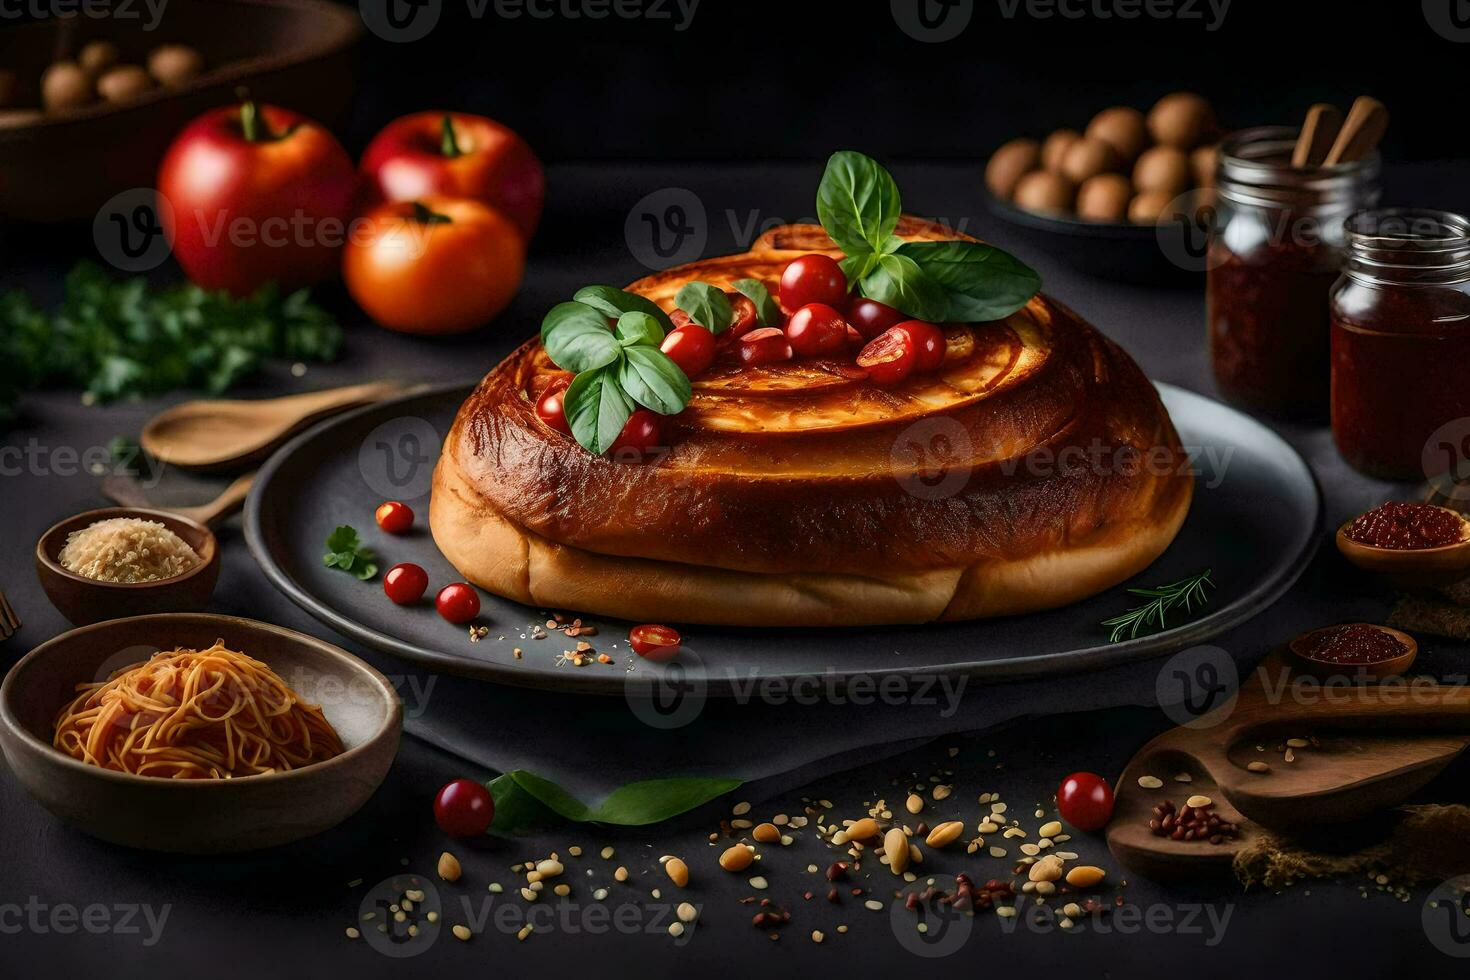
(1150,782)
(1197,801)
(1258,766)
(677,871)
(896,848)
(766,833)
(449,868)
(914,803)
(462,933)
(737,857)
(1085,876)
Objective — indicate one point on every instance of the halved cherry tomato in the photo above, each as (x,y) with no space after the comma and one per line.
(405,583)
(458,603)
(691,347)
(551,406)
(764,346)
(871,317)
(814,278)
(816,329)
(888,357)
(679,318)
(746,316)
(928,343)
(654,642)
(643,431)
(1085,801)
(464,808)
(394,516)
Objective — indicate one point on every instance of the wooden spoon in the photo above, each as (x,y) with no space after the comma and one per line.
(1366,123)
(1318,133)
(219,434)
(125,491)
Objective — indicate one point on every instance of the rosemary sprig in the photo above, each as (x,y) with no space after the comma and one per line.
(1186,592)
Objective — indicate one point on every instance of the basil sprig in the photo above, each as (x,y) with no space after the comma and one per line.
(524,801)
(766,308)
(616,369)
(859,205)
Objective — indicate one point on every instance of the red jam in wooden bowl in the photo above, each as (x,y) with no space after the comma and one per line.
(1353,645)
(1407,527)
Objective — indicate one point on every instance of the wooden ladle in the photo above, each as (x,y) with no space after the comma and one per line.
(213,434)
(124,490)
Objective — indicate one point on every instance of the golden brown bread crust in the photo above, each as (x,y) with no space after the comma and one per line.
(1038,466)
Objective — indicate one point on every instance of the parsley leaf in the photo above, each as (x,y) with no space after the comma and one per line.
(345,551)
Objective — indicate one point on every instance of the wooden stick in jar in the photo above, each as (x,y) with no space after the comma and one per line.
(1318,133)
(1366,122)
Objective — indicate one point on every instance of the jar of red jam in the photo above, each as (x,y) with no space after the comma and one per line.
(1401,341)
(1276,248)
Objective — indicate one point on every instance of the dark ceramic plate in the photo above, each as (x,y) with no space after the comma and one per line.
(1255,521)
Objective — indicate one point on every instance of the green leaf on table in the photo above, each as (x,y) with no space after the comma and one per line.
(767,311)
(634,329)
(983,282)
(897,281)
(653,380)
(524,800)
(706,305)
(345,551)
(613,303)
(577,338)
(858,202)
(597,408)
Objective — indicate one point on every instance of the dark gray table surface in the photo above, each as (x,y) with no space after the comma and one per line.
(284,912)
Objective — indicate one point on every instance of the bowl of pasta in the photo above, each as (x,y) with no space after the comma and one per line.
(197,733)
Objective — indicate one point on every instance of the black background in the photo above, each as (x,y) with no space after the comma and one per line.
(796,79)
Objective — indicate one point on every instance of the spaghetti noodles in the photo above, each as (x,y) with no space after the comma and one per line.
(195,714)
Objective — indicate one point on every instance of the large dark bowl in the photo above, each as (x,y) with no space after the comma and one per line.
(295,53)
(199,816)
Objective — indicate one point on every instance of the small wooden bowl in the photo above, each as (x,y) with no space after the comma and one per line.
(1409,568)
(1384,668)
(84,600)
(199,816)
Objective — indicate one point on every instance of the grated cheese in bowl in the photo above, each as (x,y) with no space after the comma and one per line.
(127,550)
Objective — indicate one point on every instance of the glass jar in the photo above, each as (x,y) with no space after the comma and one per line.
(1400,338)
(1276,248)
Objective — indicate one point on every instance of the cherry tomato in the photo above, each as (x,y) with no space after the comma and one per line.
(654,642)
(405,583)
(928,341)
(746,316)
(1085,801)
(888,357)
(871,317)
(679,318)
(551,406)
(816,329)
(764,346)
(813,278)
(458,603)
(643,431)
(691,347)
(394,517)
(464,808)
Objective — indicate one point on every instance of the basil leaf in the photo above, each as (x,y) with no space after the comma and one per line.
(577,338)
(523,800)
(766,308)
(706,305)
(857,202)
(983,282)
(597,407)
(616,302)
(897,281)
(857,267)
(639,328)
(654,381)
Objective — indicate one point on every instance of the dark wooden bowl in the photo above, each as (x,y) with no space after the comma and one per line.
(85,600)
(63,166)
(1384,668)
(195,816)
(1409,568)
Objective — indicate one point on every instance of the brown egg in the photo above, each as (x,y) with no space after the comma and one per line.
(1055,148)
(174,64)
(1150,207)
(1042,190)
(1122,128)
(64,85)
(1162,168)
(1088,157)
(1181,119)
(9,87)
(98,56)
(1008,164)
(1202,161)
(123,83)
(1104,198)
